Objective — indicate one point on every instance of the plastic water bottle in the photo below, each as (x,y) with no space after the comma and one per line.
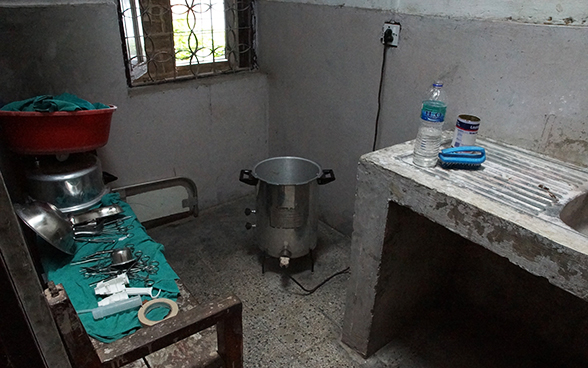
(428,140)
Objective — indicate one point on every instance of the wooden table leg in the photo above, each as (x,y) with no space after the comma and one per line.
(230,338)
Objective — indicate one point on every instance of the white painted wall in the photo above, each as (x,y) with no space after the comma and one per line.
(527,11)
(574,12)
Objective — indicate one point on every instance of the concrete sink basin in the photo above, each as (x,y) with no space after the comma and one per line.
(575,214)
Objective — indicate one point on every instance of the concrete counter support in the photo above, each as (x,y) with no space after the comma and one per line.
(403,260)
(410,224)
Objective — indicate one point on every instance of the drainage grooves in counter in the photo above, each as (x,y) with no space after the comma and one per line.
(515,177)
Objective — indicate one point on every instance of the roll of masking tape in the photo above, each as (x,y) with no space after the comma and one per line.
(157,303)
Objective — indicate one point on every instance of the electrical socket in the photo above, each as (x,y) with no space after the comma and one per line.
(395,29)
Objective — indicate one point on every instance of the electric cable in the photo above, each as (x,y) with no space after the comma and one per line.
(386,39)
(310,291)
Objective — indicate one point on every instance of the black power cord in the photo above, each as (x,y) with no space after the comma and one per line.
(387,39)
(310,291)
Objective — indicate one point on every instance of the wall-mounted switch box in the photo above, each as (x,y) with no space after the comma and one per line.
(390,34)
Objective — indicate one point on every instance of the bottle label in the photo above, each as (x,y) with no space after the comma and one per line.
(433,111)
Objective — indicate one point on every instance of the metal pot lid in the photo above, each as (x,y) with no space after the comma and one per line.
(287,170)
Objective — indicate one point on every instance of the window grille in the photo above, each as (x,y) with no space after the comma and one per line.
(166,40)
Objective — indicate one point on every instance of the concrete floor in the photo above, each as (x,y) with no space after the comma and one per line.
(215,255)
(283,327)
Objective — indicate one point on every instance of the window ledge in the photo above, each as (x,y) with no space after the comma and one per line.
(191,83)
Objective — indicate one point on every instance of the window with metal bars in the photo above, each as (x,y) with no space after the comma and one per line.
(167,40)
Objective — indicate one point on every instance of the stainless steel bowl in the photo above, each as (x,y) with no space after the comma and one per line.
(72,185)
(122,257)
(57,228)
(49,223)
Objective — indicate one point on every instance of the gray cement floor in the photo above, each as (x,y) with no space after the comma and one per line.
(215,255)
(284,327)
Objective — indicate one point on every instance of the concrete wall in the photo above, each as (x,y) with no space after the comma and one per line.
(526,81)
(316,92)
(526,11)
(205,129)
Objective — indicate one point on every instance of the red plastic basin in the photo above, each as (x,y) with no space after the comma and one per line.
(49,133)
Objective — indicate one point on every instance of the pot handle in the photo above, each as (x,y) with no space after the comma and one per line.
(327,177)
(246,177)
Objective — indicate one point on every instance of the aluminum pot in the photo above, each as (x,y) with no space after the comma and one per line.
(287,204)
(73,185)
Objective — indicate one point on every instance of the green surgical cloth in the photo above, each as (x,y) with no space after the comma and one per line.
(58,269)
(48,103)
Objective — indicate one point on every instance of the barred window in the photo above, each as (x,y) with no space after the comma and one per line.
(167,40)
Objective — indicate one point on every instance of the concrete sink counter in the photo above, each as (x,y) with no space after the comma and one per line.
(510,206)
